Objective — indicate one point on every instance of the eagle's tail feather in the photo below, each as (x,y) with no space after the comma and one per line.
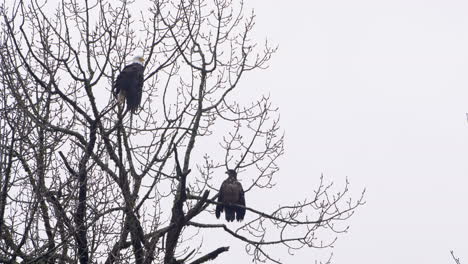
(230,213)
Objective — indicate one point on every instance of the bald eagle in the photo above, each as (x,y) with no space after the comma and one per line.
(129,84)
(231,193)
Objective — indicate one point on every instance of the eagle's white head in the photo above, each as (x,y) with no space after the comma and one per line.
(139,60)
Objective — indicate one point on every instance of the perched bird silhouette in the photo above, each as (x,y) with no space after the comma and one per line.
(231,194)
(129,84)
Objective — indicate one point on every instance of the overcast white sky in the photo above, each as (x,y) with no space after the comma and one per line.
(376,91)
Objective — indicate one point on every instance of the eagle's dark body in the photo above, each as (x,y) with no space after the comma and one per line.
(129,85)
(230,194)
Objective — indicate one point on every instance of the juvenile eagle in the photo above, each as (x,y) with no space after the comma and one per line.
(231,193)
(129,84)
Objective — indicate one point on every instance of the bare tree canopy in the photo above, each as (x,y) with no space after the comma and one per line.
(84,181)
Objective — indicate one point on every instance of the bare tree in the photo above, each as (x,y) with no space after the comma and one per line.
(81,180)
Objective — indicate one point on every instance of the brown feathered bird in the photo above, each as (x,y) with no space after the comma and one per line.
(231,194)
(129,84)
